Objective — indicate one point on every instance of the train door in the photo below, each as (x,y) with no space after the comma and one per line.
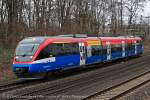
(82,53)
(123,48)
(108,50)
(135,47)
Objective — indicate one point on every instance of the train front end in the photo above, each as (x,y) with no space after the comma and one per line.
(25,55)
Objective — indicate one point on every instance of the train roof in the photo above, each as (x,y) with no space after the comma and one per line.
(37,39)
(71,38)
(121,38)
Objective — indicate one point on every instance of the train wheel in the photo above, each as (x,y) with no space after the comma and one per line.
(48,75)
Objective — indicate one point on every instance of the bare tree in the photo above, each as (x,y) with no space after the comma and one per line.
(44,17)
(133,7)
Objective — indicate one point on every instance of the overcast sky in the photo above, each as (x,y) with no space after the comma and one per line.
(147,9)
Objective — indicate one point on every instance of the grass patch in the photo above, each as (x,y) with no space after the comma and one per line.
(6,55)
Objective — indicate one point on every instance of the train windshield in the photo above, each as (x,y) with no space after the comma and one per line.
(26,49)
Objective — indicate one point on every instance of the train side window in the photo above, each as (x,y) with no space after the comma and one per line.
(131,46)
(104,50)
(43,54)
(126,47)
(51,50)
(116,48)
(66,48)
(56,49)
(71,48)
(96,50)
(59,49)
(74,48)
(139,43)
(119,48)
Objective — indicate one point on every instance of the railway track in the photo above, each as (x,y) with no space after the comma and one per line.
(23,83)
(19,84)
(54,88)
(69,87)
(10,85)
(51,88)
(16,84)
(118,91)
(7,83)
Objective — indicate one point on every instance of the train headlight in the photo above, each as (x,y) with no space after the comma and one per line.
(31,57)
(16,57)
